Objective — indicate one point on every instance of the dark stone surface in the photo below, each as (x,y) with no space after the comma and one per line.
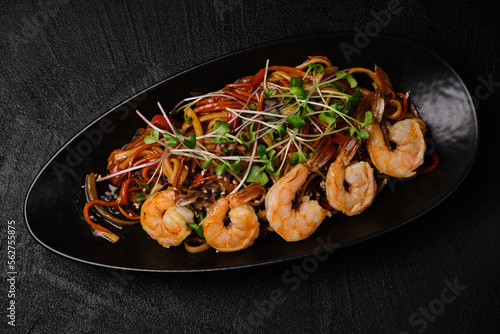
(79,59)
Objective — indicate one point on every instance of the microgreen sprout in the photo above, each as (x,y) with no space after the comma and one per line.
(207,164)
(296,121)
(325,110)
(221,128)
(347,76)
(141,197)
(191,142)
(171,140)
(197,228)
(257,174)
(152,138)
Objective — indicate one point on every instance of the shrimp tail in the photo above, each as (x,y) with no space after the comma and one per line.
(323,153)
(414,110)
(243,196)
(348,151)
(378,105)
(186,199)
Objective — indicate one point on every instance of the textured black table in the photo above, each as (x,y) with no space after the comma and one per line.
(64,63)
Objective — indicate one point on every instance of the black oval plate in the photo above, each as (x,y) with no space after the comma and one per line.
(53,206)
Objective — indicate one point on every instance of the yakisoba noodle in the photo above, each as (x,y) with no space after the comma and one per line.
(276,152)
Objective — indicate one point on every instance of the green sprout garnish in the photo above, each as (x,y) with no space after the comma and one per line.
(221,128)
(152,138)
(197,228)
(257,174)
(191,142)
(304,104)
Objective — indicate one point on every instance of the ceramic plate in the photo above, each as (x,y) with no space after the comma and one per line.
(53,206)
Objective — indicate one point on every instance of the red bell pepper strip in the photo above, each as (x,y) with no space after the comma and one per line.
(160,120)
(257,78)
(435,161)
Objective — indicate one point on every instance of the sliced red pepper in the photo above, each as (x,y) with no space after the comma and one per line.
(326,205)
(116,180)
(435,161)
(257,78)
(160,120)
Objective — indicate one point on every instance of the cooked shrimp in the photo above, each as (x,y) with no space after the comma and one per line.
(409,153)
(296,224)
(359,176)
(243,227)
(164,221)
(408,134)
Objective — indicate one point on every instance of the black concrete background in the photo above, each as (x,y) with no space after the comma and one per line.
(64,63)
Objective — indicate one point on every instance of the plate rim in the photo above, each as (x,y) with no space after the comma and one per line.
(223,57)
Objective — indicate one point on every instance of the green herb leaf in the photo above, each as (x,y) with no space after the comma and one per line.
(144,185)
(318,68)
(180,131)
(171,140)
(302,158)
(191,142)
(188,119)
(337,87)
(141,197)
(296,121)
(353,100)
(225,150)
(220,167)
(202,216)
(328,117)
(261,151)
(296,158)
(305,109)
(257,174)
(368,119)
(235,168)
(271,154)
(197,228)
(352,130)
(362,134)
(149,140)
(207,164)
(286,100)
(339,106)
(268,94)
(246,141)
(270,134)
(298,92)
(282,130)
(270,165)
(221,128)
(152,138)
(296,82)
(253,106)
(348,77)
